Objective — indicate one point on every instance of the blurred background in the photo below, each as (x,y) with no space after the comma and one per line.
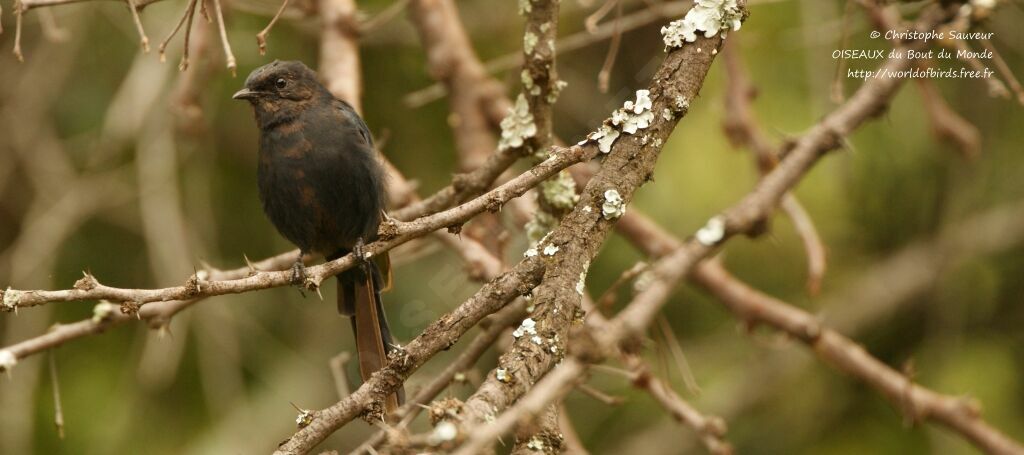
(105,166)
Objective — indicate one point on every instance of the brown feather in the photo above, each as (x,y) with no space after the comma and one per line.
(369,339)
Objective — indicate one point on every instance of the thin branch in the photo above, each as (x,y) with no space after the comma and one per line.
(946,122)
(393,234)
(143,39)
(613,51)
(51,30)
(58,408)
(183,65)
(339,51)
(106,315)
(383,17)
(261,37)
(710,429)
(337,365)
(959,414)
(742,129)
(1005,70)
(229,57)
(599,395)
(606,300)
(570,43)
(574,243)
(19,10)
(590,23)
(189,11)
(626,167)
(753,208)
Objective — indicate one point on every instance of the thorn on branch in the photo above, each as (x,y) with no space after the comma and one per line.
(10,299)
(87,282)
(305,417)
(131,309)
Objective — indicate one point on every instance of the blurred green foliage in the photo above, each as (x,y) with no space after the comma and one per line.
(221,379)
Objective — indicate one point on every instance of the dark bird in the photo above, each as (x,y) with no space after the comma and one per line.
(322,187)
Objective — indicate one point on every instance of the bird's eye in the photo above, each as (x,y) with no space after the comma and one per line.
(281,83)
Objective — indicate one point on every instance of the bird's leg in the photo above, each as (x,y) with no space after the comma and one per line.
(359,250)
(299,271)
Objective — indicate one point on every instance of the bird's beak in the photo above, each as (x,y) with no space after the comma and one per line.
(245,94)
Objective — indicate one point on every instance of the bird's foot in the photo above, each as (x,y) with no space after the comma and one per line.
(359,250)
(298,278)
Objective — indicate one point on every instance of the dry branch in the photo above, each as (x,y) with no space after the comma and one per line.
(393,234)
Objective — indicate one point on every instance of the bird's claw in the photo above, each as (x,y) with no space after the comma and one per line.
(298,273)
(299,276)
(359,250)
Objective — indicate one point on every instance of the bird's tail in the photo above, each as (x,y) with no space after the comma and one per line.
(359,299)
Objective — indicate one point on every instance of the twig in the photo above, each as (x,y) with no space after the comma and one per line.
(337,365)
(573,445)
(631,162)
(590,23)
(613,52)
(680,358)
(959,414)
(710,429)
(753,208)
(339,51)
(384,16)
(88,288)
(138,25)
(189,11)
(261,37)
(577,239)
(606,300)
(844,42)
(570,43)
(229,57)
(814,246)
(742,129)
(19,11)
(58,409)
(51,30)
(996,87)
(947,124)
(599,395)
(1005,70)
(499,322)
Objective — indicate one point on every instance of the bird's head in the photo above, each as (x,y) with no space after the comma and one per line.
(280,86)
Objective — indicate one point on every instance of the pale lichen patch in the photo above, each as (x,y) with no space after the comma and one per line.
(7,361)
(445,431)
(103,311)
(712,232)
(712,17)
(517,126)
(560,191)
(529,42)
(614,206)
(11,297)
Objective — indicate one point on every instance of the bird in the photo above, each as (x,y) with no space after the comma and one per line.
(322,187)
